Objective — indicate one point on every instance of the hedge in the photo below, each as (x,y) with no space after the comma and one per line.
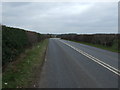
(15,40)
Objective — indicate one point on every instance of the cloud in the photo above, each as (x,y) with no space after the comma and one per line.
(51,17)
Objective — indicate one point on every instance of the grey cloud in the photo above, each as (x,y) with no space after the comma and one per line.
(62,17)
(15,4)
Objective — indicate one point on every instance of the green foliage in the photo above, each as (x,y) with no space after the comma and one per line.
(22,73)
(13,43)
(15,40)
(109,41)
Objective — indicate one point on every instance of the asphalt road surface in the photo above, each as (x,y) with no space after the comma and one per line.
(74,65)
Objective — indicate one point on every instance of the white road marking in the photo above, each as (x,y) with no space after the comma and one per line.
(107,66)
(45,59)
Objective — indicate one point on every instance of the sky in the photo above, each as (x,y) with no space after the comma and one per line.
(62,17)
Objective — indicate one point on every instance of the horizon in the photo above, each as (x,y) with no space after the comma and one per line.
(60,33)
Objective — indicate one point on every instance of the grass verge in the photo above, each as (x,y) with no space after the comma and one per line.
(21,73)
(113,49)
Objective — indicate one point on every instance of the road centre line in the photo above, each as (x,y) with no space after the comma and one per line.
(107,66)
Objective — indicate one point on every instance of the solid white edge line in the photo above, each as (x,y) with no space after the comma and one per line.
(107,66)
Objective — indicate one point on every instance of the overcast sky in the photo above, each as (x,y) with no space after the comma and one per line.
(51,17)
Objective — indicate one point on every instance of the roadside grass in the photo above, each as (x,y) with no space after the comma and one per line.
(0,80)
(114,48)
(21,73)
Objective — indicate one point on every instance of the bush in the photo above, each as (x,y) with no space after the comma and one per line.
(108,40)
(15,40)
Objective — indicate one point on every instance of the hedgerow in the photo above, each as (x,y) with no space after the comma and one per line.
(15,40)
(107,40)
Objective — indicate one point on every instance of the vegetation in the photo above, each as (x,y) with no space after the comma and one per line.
(21,72)
(23,52)
(15,40)
(104,41)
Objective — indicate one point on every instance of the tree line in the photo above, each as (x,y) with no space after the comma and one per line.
(108,40)
(15,40)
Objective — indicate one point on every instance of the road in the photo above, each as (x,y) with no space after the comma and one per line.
(74,65)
